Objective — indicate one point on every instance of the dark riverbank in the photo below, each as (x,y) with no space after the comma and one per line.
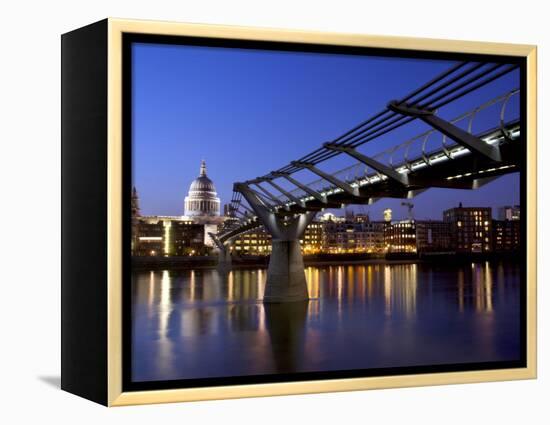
(198,262)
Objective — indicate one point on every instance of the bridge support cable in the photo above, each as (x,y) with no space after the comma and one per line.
(321,198)
(485,75)
(268,203)
(387,118)
(462,137)
(462,79)
(467,87)
(346,187)
(289,195)
(354,131)
(247,209)
(437,79)
(234,210)
(286,279)
(268,194)
(371,162)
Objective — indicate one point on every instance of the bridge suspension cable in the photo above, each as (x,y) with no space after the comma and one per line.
(448,87)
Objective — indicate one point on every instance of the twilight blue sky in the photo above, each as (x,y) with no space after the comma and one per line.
(247,112)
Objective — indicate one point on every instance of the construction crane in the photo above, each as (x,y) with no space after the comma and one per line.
(410,207)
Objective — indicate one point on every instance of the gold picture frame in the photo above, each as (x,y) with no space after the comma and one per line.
(115,30)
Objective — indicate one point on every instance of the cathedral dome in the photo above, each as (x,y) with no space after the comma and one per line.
(202,200)
(202,183)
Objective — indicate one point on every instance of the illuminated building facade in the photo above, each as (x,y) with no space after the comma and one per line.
(149,239)
(400,237)
(312,242)
(338,235)
(329,236)
(356,236)
(258,241)
(471,228)
(255,242)
(166,236)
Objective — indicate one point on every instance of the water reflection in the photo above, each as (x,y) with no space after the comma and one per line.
(207,323)
(285,323)
(475,287)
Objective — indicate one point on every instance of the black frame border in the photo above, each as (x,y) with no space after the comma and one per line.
(127,40)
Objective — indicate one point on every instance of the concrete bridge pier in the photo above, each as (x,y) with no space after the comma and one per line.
(286,278)
(224,252)
(224,258)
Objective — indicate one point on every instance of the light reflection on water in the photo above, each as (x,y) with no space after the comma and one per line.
(204,323)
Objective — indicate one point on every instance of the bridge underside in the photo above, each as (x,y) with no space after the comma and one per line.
(453,174)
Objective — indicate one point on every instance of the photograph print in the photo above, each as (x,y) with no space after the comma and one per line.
(304,212)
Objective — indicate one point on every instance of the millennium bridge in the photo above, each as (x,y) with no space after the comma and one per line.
(453,154)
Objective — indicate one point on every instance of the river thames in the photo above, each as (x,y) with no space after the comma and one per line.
(203,323)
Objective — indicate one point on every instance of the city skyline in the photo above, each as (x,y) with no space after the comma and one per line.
(184,113)
(461,230)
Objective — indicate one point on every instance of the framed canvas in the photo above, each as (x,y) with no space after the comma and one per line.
(251,212)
